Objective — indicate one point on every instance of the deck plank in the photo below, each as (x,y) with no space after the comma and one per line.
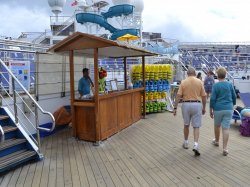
(148,153)
(138,172)
(31,174)
(191,166)
(135,162)
(226,176)
(15,177)
(22,176)
(123,165)
(116,167)
(101,166)
(96,171)
(59,162)
(38,167)
(53,160)
(89,172)
(145,148)
(6,179)
(115,178)
(167,158)
(66,162)
(160,175)
(73,164)
(80,165)
(46,166)
(1,179)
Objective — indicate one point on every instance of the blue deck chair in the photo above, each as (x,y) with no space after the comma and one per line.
(236,116)
(245,98)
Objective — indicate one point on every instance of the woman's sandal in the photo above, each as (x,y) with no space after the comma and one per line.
(225,152)
(215,143)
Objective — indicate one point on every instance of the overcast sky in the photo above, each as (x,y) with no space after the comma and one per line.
(188,21)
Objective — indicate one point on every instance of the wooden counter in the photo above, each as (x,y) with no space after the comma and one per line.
(112,113)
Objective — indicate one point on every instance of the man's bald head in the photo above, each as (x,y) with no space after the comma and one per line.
(191,71)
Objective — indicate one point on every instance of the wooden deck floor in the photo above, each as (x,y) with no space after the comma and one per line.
(148,153)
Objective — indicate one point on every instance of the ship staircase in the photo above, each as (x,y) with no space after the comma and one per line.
(19,131)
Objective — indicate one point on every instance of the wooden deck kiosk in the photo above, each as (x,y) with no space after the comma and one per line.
(96,120)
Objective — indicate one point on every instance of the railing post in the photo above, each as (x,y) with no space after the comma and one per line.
(37,131)
(2,134)
(14,98)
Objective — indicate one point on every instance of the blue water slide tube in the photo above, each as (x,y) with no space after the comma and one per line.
(119,10)
(122,32)
(95,18)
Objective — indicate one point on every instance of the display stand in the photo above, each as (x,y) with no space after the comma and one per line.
(96,120)
(157,78)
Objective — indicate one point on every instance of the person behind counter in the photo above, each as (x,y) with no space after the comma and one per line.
(84,84)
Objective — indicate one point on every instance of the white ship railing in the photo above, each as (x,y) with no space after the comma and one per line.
(229,75)
(16,110)
(208,64)
(18,45)
(182,44)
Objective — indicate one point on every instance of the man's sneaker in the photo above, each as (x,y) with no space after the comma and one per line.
(215,143)
(196,150)
(185,145)
(225,152)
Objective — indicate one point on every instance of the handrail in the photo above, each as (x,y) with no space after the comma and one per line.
(32,99)
(2,134)
(39,37)
(206,61)
(226,71)
(65,24)
(183,65)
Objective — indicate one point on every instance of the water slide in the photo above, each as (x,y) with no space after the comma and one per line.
(101,20)
(119,10)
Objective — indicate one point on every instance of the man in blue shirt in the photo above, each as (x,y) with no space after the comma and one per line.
(84,83)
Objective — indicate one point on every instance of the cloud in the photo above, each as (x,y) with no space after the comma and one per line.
(28,16)
(188,21)
(198,20)
(21,19)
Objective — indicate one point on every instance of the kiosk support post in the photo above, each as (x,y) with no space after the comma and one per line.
(144,85)
(98,129)
(72,90)
(125,73)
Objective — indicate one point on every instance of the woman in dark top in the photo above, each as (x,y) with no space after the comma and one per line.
(199,76)
(208,83)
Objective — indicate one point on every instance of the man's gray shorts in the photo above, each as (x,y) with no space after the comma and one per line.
(192,113)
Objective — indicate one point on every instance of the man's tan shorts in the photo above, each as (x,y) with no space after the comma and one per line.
(192,113)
